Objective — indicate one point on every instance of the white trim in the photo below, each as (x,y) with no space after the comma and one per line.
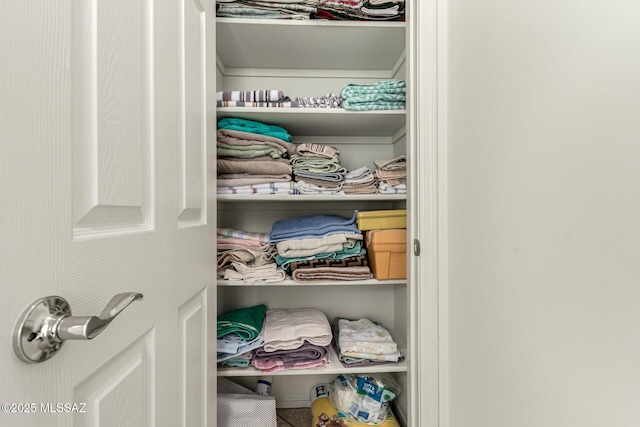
(443,246)
(428,159)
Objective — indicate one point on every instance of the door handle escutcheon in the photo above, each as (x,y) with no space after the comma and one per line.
(47,323)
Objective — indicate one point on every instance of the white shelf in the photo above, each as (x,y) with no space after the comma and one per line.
(336,368)
(310,198)
(322,121)
(295,284)
(310,45)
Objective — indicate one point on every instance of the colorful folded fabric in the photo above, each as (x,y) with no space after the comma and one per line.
(358,250)
(250,95)
(244,322)
(281,104)
(241,361)
(352,261)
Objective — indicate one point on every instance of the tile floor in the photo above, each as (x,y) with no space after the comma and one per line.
(297,417)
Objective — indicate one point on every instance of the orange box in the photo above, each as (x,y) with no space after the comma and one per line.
(387,253)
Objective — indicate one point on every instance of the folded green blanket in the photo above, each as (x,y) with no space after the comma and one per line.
(244,322)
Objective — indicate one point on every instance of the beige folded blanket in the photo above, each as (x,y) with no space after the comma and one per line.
(297,248)
(399,162)
(254,166)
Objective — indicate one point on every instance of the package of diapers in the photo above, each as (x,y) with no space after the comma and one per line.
(325,413)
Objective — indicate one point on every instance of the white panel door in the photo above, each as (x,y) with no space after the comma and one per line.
(103,191)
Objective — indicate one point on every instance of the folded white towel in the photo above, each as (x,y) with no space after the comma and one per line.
(288,329)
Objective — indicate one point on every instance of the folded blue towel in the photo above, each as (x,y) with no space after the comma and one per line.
(305,227)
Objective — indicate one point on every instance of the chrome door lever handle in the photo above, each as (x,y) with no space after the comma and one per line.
(45,325)
(88,327)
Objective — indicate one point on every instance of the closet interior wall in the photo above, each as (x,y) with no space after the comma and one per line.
(384,301)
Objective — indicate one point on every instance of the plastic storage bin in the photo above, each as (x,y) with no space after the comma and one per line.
(387,253)
(241,407)
(381,220)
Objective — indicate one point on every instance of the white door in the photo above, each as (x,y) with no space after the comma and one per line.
(102,191)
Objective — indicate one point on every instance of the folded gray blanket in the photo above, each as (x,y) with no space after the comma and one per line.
(332,273)
(328,177)
(305,352)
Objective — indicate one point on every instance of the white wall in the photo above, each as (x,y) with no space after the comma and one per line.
(544,213)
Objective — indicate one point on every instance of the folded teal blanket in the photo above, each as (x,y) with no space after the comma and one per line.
(254,127)
(244,322)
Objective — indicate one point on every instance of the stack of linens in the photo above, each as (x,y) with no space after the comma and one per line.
(317,170)
(360,181)
(392,175)
(381,95)
(293,339)
(253,158)
(362,342)
(321,247)
(271,9)
(239,333)
(246,256)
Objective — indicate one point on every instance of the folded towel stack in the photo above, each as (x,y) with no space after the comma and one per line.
(321,247)
(360,181)
(246,256)
(239,333)
(368,10)
(389,9)
(293,339)
(253,158)
(296,9)
(381,95)
(392,175)
(317,170)
(362,342)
